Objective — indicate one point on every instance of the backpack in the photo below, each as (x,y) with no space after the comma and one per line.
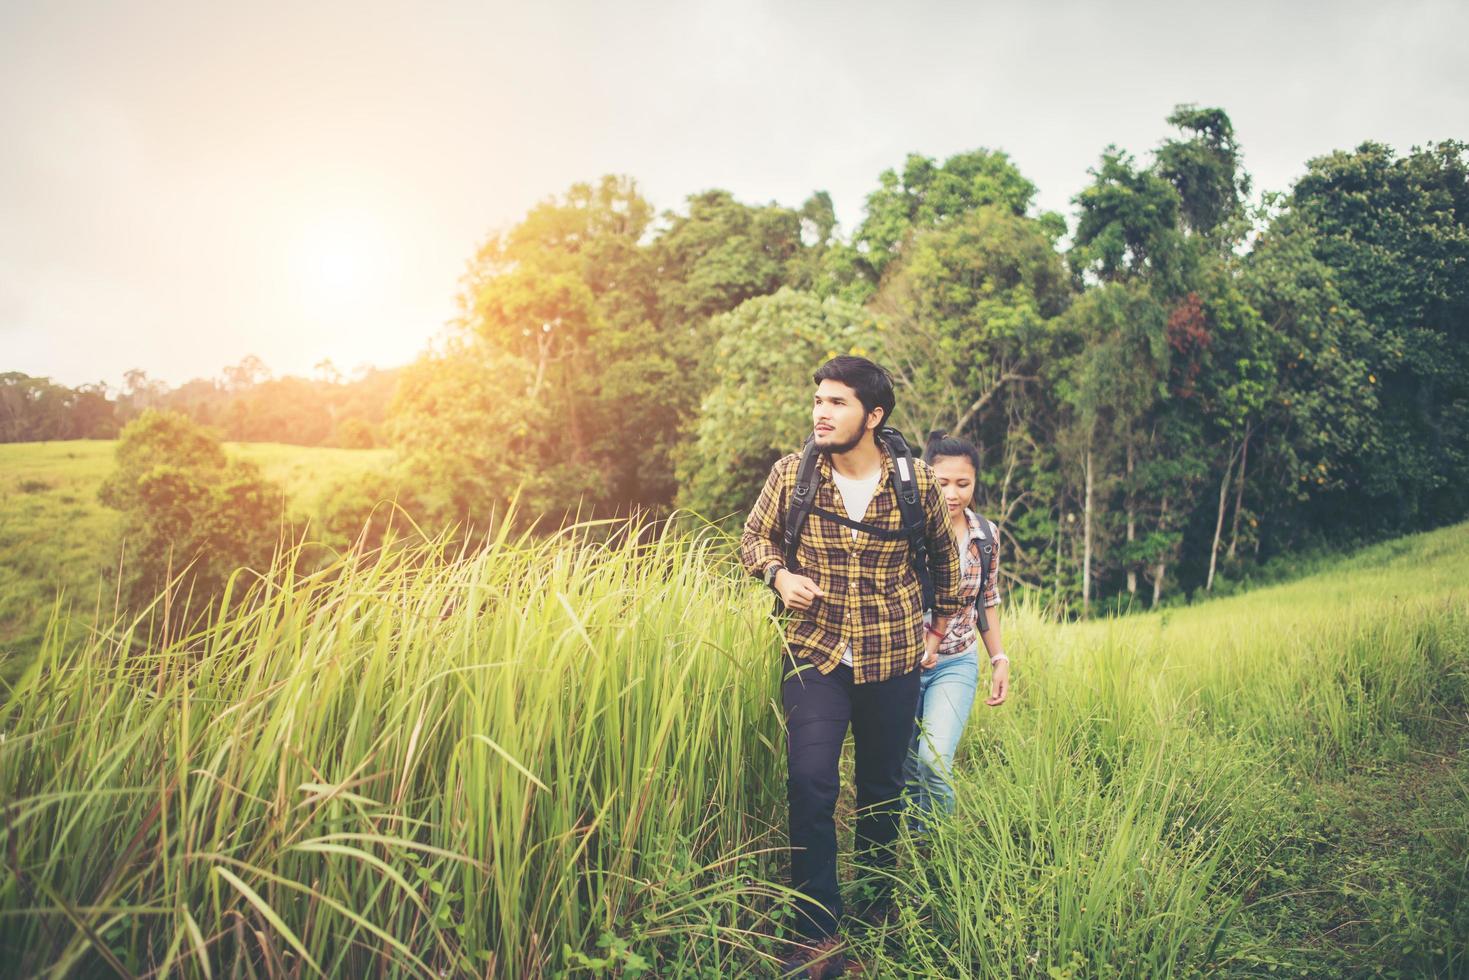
(910,509)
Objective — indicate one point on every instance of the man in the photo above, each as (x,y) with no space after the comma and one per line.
(855,639)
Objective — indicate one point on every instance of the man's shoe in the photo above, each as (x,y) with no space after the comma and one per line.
(819,960)
(877,914)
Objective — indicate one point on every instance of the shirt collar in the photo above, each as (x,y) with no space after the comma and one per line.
(824,468)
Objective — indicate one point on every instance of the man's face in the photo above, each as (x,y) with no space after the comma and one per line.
(838,419)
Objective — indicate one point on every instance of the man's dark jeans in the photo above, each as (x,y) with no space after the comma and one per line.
(818,708)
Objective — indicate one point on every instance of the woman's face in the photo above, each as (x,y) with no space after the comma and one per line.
(956,479)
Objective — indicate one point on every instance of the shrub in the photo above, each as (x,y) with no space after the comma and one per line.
(354,433)
(189,512)
(367,509)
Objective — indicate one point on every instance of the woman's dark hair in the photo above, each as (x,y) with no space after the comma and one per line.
(871,383)
(940,443)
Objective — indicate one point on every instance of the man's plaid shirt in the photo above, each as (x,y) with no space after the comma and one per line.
(872,598)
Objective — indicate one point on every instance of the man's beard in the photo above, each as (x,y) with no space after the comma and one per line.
(845,446)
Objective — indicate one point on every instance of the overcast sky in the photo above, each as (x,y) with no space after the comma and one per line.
(183,184)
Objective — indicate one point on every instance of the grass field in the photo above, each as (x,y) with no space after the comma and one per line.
(55,538)
(548,758)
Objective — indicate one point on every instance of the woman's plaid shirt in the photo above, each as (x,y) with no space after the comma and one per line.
(964,628)
(872,597)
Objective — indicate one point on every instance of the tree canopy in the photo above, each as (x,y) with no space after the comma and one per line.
(1194,381)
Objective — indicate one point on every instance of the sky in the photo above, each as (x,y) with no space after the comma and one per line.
(186,184)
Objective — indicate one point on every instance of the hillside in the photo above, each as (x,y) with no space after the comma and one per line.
(55,537)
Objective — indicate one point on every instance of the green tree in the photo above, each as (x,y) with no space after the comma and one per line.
(1113,390)
(368,511)
(355,433)
(1395,230)
(1206,171)
(1170,228)
(969,311)
(923,194)
(1129,226)
(721,253)
(188,511)
(969,317)
(711,258)
(1323,422)
(471,437)
(926,194)
(759,406)
(34,409)
(571,291)
(288,409)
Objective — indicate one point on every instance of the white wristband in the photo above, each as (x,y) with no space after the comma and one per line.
(995,660)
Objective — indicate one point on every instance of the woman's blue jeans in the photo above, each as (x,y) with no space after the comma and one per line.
(945,695)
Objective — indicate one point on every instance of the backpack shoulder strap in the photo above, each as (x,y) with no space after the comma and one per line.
(987,546)
(803,498)
(907,480)
(910,509)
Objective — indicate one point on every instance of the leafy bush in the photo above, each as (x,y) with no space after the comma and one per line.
(354,433)
(365,511)
(191,516)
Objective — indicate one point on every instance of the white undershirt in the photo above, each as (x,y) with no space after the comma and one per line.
(856,495)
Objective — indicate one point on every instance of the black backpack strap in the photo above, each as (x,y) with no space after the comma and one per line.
(803,499)
(987,546)
(910,509)
(881,533)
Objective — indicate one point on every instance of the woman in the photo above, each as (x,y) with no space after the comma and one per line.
(946,687)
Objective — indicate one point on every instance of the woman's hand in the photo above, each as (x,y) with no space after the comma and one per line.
(999,684)
(930,650)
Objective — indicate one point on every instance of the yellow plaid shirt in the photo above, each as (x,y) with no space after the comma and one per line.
(872,598)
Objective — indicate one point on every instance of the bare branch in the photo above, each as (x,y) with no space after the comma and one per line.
(984,399)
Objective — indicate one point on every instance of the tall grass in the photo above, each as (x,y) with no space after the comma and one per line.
(1119,814)
(565,756)
(418,763)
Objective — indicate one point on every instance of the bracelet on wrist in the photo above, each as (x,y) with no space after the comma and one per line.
(932,632)
(998,659)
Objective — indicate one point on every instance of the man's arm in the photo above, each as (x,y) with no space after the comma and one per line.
(761,541)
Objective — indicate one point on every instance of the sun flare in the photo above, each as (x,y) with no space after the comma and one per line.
(338,261)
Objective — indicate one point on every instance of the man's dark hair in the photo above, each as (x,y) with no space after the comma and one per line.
(940,443)
(872,384)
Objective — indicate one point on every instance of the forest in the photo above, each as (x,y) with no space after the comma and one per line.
(1171,386)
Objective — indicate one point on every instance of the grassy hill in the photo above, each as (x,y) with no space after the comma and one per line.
(56,538)
(552,758)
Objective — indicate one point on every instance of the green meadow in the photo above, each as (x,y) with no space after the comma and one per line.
(563,756)
(56,539)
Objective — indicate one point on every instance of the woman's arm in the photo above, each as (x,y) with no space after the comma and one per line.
(994,645)
(1000,677)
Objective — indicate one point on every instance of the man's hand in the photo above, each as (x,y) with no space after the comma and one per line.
(796,591)
(999,684)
